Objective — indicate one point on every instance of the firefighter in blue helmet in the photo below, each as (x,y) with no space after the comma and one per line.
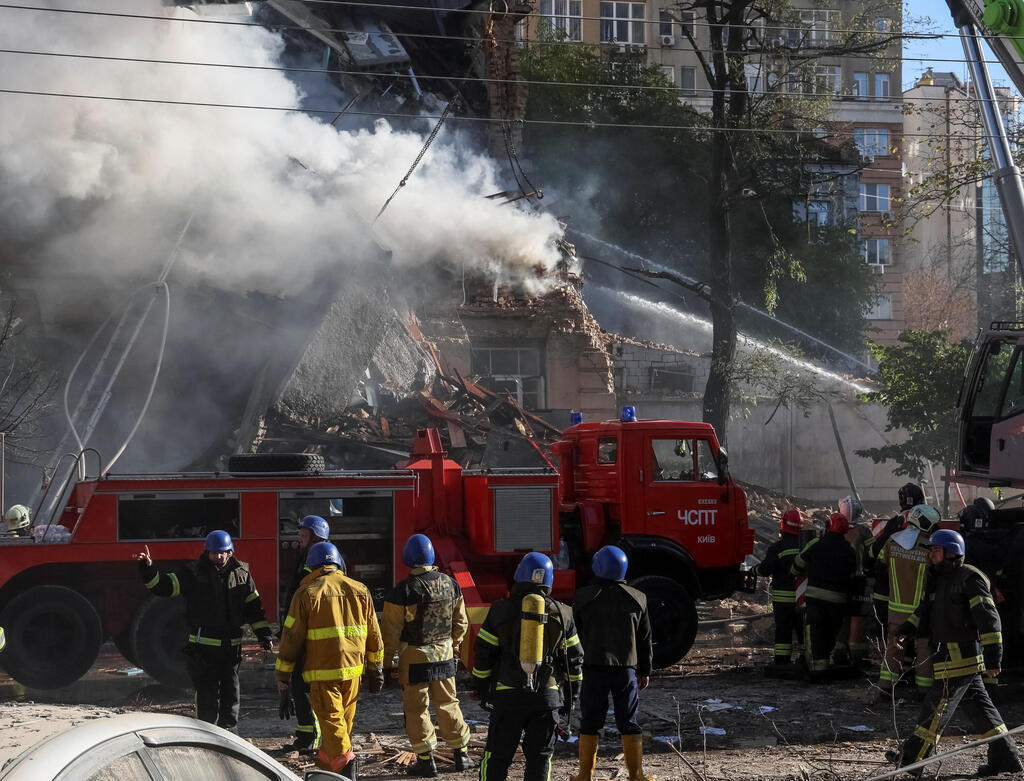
(424,623)
(312,529)
(959,615)
(615,632)
(220,597)
(527,651)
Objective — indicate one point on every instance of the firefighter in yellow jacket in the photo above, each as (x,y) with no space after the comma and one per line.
(331,621)
(424,622)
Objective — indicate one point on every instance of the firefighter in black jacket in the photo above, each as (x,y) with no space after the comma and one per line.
(312,529)
(220,597)
(526,650)
(615,632)
(959,615)
(778,565)
(829,562)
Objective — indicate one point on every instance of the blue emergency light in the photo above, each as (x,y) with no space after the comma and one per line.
(575,418)
(628,415)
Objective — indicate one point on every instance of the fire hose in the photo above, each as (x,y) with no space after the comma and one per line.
(945,754)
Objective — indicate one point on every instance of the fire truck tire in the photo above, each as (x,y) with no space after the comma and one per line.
(53,636)
(157,637)
(673,616)
(276,462)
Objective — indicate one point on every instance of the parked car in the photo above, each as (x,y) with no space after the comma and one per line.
(148,747)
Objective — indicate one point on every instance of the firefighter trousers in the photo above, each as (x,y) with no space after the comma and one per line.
(788,622)
(892,663)
(822,623)
(621,684)
(938,707)
(306,727)
(334,703)
(509,723)
(214,674)
(419,727)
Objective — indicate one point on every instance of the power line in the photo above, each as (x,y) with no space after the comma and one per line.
(896,36)
(417,77)
(551,122)
(435,36)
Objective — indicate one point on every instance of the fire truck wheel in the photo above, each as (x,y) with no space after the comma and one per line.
(53,636)
(156,638)
(276,462)
(673,616)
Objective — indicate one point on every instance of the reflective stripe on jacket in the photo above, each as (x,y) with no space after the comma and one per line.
(908,570)
(332,621)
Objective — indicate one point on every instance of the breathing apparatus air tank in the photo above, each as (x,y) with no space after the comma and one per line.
(531,635)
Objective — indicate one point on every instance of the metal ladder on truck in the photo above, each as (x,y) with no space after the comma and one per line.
(84,415)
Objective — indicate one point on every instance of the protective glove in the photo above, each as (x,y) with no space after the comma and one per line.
(267,643)
(391,678)
(906,629)
(285,708)
(375,680)
(482,690)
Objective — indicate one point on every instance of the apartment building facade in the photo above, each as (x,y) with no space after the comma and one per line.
(866,98)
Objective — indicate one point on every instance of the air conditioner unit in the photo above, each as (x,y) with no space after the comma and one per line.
(877,268)
(668,40)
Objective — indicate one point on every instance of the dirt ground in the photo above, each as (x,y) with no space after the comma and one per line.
(716,715)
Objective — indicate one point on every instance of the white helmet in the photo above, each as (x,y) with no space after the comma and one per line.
(17,518)
(924,517)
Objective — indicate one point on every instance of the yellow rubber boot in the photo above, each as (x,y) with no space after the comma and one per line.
(588,758)
(633,749)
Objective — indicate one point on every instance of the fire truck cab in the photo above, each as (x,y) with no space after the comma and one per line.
(661,491)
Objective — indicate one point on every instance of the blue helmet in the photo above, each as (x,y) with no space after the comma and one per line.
(323,553)
(610,563)
(949,540)
(418,551)
(219,541)
(535,568)
(317,525)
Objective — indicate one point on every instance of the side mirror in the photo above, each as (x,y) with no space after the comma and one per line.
(723,466)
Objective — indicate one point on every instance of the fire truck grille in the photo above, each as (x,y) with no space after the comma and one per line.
(522,519)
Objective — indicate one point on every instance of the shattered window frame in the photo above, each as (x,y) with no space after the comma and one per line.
(518,370)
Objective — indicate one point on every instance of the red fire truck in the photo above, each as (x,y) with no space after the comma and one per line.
(659,489)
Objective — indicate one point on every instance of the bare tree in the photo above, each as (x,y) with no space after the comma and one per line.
(26,389)
(769,103)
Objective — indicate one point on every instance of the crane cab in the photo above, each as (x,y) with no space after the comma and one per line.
(990,410)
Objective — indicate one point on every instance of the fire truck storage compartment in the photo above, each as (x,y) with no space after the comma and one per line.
(362,526)
(511,511)
(176,515)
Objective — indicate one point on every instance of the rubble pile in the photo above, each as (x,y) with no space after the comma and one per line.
(764,507)
(479,428)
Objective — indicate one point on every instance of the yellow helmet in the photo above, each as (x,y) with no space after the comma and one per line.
(17,518)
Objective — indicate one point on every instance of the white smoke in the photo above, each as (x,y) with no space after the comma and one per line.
(105,186)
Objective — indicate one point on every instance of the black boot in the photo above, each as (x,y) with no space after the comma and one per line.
(349,771)
(463,760)
(1001,761)
(424,767)
(303,741)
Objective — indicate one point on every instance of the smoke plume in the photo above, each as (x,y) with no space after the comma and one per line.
(105,186)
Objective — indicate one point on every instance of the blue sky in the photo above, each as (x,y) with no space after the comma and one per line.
(918,54)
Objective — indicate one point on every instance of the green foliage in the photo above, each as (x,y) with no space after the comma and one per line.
(646,188)
(921,378)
